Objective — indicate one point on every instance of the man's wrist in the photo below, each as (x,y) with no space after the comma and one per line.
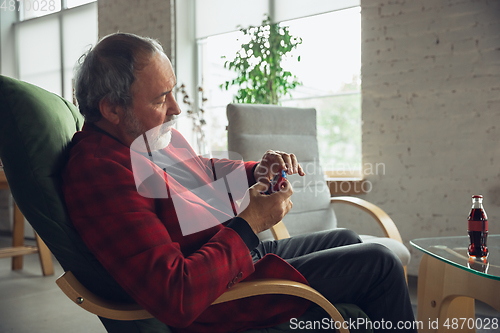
(244,230)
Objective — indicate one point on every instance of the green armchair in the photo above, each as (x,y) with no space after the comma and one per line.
(36,128)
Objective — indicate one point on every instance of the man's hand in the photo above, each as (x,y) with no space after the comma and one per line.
(275,161)
(264,211)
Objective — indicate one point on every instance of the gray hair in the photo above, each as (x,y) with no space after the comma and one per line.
(107,71)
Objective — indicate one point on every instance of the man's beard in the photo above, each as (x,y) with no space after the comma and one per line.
(154,139)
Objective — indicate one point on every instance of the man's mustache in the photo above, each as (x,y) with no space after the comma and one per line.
(171,118)
(167,125)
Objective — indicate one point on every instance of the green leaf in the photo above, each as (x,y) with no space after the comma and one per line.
(260,77)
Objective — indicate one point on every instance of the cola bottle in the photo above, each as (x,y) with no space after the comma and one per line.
(477,228)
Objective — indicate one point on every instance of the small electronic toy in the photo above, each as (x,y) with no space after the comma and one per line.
(277,182)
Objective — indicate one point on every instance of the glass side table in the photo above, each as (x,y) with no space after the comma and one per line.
(448,283)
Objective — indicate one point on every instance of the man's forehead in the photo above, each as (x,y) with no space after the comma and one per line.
(156,75)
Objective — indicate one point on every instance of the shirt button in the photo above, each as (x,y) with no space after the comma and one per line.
(240,275)
(230,284)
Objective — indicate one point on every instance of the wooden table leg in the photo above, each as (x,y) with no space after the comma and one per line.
(446,296)
(18,242)
(17,237)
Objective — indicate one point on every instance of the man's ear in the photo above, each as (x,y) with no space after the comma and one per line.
(111,112)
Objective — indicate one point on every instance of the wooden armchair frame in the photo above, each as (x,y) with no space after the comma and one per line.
(384,221)
(119,311)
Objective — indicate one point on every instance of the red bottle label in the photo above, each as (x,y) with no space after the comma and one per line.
(477,225)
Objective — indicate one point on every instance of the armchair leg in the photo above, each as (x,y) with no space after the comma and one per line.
(45,256)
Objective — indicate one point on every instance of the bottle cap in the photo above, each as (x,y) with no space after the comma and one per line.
(477,196)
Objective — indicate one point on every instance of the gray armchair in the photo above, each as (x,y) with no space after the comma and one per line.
(253,129)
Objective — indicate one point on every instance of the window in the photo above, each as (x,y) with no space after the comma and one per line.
(49,46)
(29,9)
(330,70)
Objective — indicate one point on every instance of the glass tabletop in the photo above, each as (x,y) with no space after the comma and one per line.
(453,250)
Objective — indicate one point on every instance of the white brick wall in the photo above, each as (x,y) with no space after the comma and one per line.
(150,18)
(431,113)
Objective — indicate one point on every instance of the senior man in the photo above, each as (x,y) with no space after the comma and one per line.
(124,90)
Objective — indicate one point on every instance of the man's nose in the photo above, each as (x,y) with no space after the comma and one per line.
(173,108)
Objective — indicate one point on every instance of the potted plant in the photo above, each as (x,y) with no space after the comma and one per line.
(260,77)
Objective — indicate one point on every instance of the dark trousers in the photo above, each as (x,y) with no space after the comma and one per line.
(344,270)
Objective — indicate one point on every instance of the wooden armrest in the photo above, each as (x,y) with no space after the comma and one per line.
(280,286)
(386,223)
(98,305)
(280,231)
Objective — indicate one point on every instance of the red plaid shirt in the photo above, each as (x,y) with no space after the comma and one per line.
(139,241)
